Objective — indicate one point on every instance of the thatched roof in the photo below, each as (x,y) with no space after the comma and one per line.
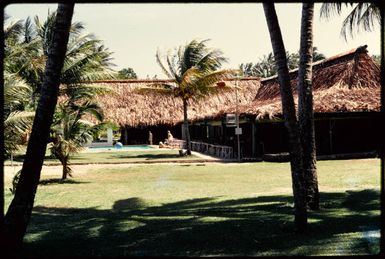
(348,82)
(128,106)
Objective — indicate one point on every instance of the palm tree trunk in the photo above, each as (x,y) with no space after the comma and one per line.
(20,209)
(65,168)
(186,130)
(305,107)
(288,110)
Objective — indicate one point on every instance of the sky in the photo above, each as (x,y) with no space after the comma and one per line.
(134,32)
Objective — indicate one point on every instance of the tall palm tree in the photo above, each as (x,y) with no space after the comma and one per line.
(305,106)
(194,70)
(86,60)
(19,211)
(288,110)
(365,15)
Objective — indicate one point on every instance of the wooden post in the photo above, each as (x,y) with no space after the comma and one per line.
(125,136)
(253,139)
(330,137)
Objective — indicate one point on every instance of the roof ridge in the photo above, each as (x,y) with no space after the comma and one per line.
(360,49)
(162,80)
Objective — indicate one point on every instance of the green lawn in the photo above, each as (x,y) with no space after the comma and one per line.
(113,157)
(203,210)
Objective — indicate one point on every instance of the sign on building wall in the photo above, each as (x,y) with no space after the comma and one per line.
(231,120)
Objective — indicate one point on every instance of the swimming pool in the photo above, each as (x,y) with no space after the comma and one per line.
(123,148)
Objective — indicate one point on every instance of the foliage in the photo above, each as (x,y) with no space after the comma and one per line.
(70,131)
(17,111)
(266,67)
(126,73)
(194,70)
(364,16)
(15,180)
(26,49)
(86,58)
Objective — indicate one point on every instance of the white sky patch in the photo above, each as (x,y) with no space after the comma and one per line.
(135,31)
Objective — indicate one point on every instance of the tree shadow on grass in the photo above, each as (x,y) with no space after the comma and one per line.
(150,156)
(202,227)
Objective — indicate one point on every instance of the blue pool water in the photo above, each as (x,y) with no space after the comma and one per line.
(130,147)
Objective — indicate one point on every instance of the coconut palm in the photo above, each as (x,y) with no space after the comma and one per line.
(193,69)
(305,106)
(266,66)
(17,113)
(17,119)
(19,211)
(86,57)
(365,15)
(71,130)
(288,110)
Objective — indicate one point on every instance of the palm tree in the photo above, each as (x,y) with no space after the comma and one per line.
(365,15)
(19,211)
(305,106)
(71,130)
(266,66)
(18,114)
(288,110)
(17,118)
(194,70)
(86,57)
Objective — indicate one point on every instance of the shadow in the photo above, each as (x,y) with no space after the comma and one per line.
(150,156)
(210,226)
(60,181)
(128,204)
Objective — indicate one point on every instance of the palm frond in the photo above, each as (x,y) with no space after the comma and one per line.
(28,30)
(329,9)
(206,84)
(13,31)
(211,61)
(19,120)
(363,16)
(159,61)
(173,68)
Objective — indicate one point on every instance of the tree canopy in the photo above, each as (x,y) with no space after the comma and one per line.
(126,73)
(266,66)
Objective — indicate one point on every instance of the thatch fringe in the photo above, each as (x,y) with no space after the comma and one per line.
(343,83)
(129,107)
(348,82)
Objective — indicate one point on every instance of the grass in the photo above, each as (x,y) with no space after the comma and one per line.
(113,157)
(203,210)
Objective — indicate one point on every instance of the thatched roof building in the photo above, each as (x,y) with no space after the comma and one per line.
(130,106)
(348,82)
